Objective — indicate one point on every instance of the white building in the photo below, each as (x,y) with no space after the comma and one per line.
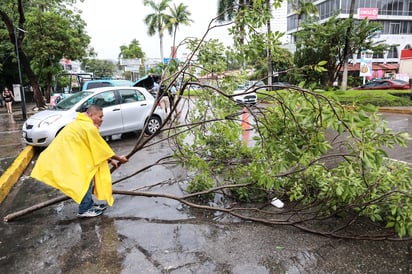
(394,15)
(279,21)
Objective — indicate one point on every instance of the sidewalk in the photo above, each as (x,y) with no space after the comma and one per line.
(14,154)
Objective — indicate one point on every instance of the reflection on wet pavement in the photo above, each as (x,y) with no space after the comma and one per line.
(10,134)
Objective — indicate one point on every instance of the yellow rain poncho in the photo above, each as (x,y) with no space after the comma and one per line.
(75,156)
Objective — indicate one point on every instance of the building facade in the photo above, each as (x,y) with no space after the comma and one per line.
(394,15)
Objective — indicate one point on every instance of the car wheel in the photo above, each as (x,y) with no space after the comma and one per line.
(153,125)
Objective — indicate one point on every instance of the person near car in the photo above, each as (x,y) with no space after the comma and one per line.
(8,98)
(76,163)
(155,89)
(164,102)
(172,94)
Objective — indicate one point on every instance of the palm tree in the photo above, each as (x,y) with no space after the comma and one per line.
(228,10)
(179,15)
(158,21)
(303,8)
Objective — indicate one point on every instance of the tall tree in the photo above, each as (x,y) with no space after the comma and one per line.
(44,33)
(133,50)
(59,34)
(158,21)
(100,68)
(211,56)
(179,15)
(228,10)
(324,42)
(16,37)
(303,8)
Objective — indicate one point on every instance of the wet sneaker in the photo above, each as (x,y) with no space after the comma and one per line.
(101,207)
(90,213)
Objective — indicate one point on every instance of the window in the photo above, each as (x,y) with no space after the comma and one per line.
(393,52)
(130,96)
(104,99)
(394,28)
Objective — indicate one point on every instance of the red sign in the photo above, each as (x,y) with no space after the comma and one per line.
(406,54)
(370,13)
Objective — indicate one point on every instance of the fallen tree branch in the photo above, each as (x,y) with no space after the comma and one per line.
(35,207)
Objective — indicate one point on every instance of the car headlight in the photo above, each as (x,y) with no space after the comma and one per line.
(49,120)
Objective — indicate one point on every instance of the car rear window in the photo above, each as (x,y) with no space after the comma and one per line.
(98,85)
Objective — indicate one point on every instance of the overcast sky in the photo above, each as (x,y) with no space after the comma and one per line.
(112,23)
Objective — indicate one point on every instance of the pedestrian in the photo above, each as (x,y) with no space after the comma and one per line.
(8,98)
(155,88)
(164,102)
(172,94)
(76,163)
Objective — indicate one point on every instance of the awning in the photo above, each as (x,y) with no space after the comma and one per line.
(355,67)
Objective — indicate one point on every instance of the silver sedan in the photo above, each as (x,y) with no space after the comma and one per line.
(125,109)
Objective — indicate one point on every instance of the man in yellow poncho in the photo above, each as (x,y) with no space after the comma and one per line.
(76,158)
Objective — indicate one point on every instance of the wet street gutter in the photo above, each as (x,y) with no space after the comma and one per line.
(14,171)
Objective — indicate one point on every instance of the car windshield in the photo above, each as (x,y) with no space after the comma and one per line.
(70,101)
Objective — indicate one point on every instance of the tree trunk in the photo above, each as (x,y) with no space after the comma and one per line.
(346,49)
(38,96)
(25,63)
(269,51)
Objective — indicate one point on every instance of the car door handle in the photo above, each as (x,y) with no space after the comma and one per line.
(116,109)
(143,105)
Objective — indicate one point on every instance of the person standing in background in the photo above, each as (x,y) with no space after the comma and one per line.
(8,98)
(164,102)
(172,94)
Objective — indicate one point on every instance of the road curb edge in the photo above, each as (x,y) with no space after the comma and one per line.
(14,171)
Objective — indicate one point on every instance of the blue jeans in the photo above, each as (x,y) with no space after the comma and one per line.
(87,201)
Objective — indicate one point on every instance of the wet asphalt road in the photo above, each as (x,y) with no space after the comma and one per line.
(156,235)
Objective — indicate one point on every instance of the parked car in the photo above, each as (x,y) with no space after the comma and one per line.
(67,83)
(245,94)
(125,109)
(90,84)
(280,85)
(384,84)
(105,83)
(148,82)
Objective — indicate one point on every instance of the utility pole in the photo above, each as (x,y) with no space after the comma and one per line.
(346,48)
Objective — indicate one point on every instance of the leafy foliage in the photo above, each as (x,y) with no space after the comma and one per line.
(325,42)
(48,32)
(210,56)
(307,148)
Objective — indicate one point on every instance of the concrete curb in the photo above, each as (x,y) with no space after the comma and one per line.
(396,110)
(9,178)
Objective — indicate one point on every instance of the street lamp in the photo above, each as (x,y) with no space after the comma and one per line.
(23,99)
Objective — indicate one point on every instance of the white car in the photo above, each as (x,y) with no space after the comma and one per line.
(125,109)
(245,94)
